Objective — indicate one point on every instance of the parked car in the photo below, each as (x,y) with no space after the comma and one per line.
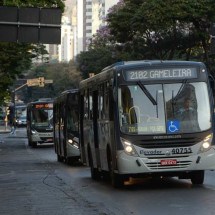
(21,121)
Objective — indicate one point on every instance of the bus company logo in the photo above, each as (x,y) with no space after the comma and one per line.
(167,153)
(151,152)
(166,137)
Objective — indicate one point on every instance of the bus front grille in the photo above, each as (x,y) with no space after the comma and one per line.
(158,166)
(167,143)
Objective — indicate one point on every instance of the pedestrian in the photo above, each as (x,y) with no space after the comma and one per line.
(13,125)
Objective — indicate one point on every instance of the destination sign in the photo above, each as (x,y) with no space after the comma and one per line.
(161,74)
(43,105)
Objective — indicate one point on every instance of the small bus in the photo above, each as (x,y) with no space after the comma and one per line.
(148,118)
(66,126)
(40,122)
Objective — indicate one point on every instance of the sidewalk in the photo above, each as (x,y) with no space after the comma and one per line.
(4,129)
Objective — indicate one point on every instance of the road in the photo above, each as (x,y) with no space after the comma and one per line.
(33,182)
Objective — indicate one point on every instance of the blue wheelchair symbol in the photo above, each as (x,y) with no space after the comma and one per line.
(173,126)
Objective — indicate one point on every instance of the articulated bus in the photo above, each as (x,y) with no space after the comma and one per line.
(66,126)
(148,118)
(40,122)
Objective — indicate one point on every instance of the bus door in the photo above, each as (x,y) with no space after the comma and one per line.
(95,127)
(81,130)
(61,130)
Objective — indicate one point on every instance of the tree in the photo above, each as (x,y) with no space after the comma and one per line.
(163,29)
(16,58)
(65,76)
(94,60)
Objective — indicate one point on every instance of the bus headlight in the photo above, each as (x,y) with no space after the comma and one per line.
(33,132)
(206,144)
(73,143)
(128,148)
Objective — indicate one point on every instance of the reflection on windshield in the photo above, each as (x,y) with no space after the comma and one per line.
(190,108)
(42,117)
(179,108)
(138,114)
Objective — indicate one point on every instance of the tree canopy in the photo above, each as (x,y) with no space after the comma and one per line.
(65,76)
(151,29)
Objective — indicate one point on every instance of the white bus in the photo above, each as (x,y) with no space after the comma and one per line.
(148,118)
(40,122)
(66,126)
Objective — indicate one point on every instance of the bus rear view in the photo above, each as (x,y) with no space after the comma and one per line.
(40,122)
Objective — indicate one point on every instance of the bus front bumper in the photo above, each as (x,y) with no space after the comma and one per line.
(127,164)
(42,137)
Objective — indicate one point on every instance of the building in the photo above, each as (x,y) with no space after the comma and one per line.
(81,20)
(90,18)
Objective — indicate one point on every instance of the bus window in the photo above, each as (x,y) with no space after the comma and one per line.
(194,118)
(141,115)
(86,103)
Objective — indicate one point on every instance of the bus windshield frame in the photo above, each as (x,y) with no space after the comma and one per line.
(162,108)
(42,115)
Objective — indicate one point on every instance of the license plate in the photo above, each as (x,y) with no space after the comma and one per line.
(168,162)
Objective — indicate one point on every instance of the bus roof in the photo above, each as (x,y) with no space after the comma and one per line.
(127,64)
(39,102)
(151,63)
(69,91)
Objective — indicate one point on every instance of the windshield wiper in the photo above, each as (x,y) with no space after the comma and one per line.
(184,83)
(147,93)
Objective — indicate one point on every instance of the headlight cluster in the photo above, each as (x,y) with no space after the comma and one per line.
(206,144)
(129,148)
(33,132)
(73,143)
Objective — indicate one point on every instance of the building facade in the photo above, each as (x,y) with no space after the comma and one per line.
(81,20)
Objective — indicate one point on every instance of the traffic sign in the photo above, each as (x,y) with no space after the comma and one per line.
(30,25)
(38,82)
(33,82)
(41,81)
(48,81)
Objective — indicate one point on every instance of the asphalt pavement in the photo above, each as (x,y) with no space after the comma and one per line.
(5,129)
(30,184)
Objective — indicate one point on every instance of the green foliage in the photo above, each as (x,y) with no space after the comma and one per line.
(167,29)
(94,60)
(65,76)
(151,29)
(34,3)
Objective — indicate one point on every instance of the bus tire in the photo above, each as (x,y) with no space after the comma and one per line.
(34,144)
(70,160)
(59,158)
(197,177)
(95,175)
(29,143)
(117,180)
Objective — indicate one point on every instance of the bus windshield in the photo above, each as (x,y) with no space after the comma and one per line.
(164,108)
(42,117)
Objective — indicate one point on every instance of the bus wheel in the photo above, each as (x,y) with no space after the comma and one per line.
(70,160)
(29,143)
(34,144)
(59,158)
(197,177)
(95,175)
(117,180)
